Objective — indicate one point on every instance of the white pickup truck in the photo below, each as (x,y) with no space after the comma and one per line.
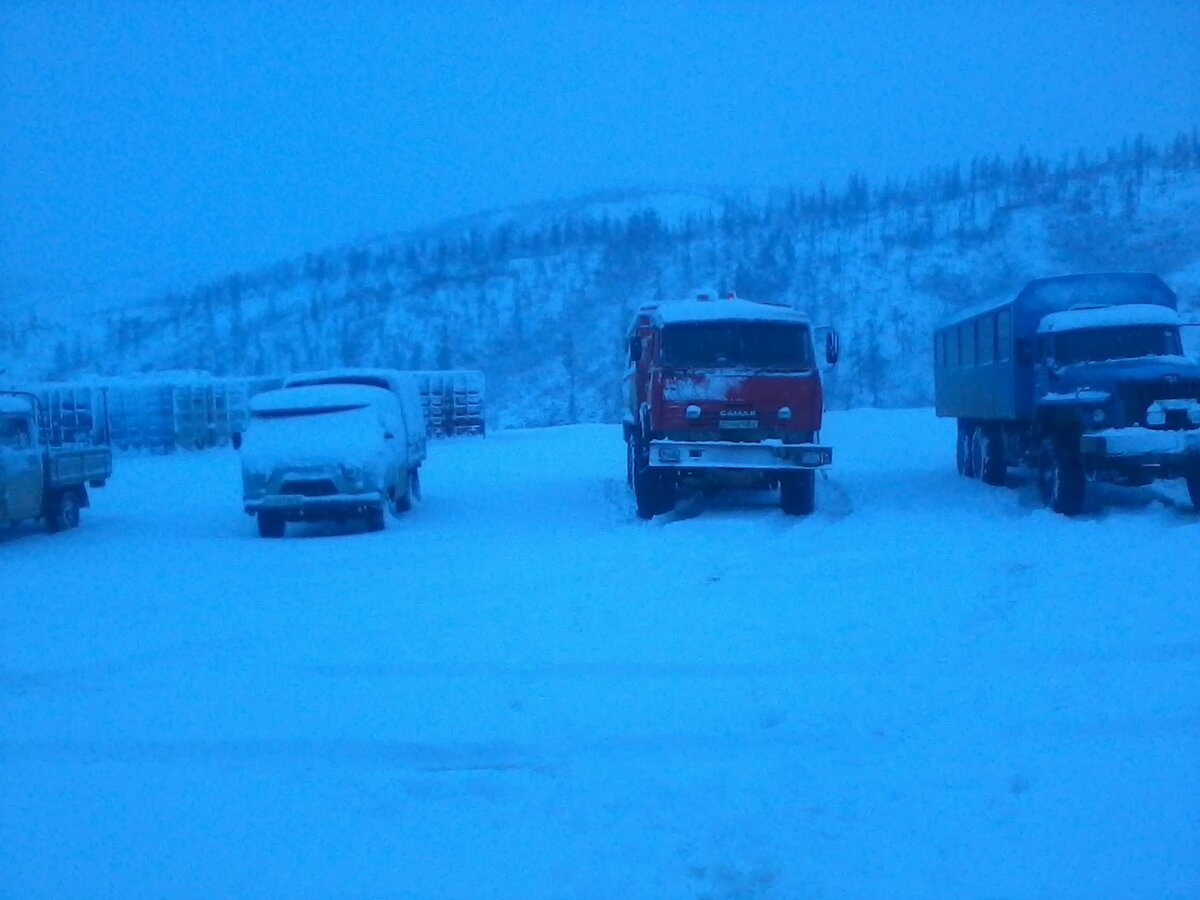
(45,474)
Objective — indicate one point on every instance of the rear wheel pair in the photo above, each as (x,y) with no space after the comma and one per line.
(980,454)
(798,492)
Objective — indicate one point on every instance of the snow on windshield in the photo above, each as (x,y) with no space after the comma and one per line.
(326,396)
(11,404)
(676,311)
(381,378)
(312,437)
(1109,317)
(749,344)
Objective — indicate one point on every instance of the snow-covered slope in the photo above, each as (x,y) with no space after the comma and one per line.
(539,297)
(930,688)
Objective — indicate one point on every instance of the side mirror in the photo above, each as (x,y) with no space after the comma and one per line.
(833,347)
(635,349)
(236,440)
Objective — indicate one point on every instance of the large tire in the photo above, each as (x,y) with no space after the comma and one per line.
(62,513)
(1060,476)
(962,455)
(1193,486)
(797,492)
(987,456)
(653,489)
(404,494)
(271,525)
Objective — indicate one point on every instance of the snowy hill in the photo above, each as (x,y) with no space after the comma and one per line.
(539,297)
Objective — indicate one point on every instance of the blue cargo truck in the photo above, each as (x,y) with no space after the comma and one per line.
(1080,378)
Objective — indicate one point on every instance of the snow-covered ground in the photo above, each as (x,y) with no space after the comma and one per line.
(930,688)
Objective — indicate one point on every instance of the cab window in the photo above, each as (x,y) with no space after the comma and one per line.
(14,433)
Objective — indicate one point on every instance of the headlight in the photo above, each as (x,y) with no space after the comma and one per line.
(353,474)
(1097,415)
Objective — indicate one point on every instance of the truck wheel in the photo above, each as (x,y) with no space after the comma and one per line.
(797,492)
(642,479)
(271,525)
(653,489)
(647,490)
(987,456)
(1060,478)
(963,451)
(1193,486)
(404,494)
(63,513)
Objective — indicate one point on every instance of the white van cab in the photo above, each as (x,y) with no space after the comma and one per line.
(403,384)
(328,452)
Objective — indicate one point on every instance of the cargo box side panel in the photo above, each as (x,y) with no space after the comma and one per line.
(993,391)
(68,467)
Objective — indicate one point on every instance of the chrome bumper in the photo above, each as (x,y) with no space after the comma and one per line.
(296,507)
(738,455)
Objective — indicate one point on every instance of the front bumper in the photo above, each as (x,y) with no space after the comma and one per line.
(298,508)
(763,456)
(1167,453)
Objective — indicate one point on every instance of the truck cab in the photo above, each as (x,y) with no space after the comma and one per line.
(20,462)
(1118,377)
(42,475)
(723,393)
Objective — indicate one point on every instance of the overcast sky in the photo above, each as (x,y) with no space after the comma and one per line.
(184,139)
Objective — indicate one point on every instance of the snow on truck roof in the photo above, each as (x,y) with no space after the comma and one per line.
(15,403)
(1058,293)
(379,377)
(321,397)
(1109,317)
(734,309)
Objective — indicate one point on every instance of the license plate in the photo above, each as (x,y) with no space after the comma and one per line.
(739,423)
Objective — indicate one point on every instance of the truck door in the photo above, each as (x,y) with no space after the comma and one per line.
(20,470)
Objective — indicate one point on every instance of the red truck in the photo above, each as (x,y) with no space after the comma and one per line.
(723,393)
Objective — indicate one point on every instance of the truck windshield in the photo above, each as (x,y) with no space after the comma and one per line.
(14,432)
(298,412)
(1095,344)
(759,345)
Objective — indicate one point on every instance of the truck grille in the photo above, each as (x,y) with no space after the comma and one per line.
(309,487)
(1138,396)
